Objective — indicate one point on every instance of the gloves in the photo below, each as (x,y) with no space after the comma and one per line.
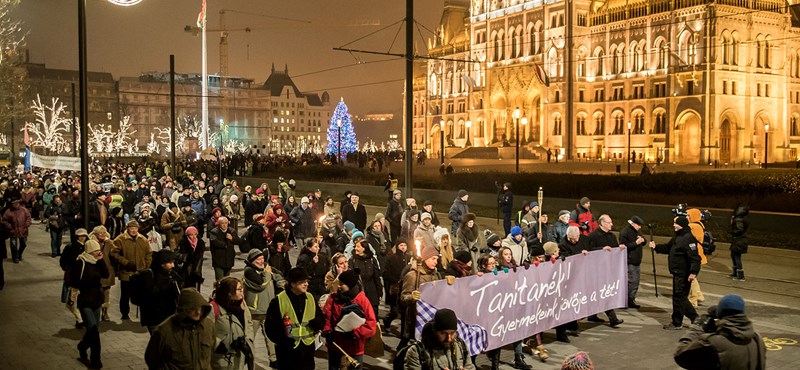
(450,279)
(416,295)
(585,225)
(131,266)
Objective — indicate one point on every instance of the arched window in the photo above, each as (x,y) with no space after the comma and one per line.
(638,124)
(633,59)
(600,125)
(619,62)
(619,125)
(794,127)
(557,125)
(600,57)
(723,43)
(580,125)
(663,54)
(734,46)
(767,52)
(660,124)
(760,51)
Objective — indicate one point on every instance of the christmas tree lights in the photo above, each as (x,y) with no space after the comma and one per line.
(345,131)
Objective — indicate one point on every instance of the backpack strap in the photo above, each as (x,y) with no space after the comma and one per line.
(215,306)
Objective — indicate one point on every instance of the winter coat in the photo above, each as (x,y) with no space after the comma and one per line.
(181,344)
(409,229)
(425,235)
(86,277)
(457,212)
(303,221)
(199,207)
(599,239)
(378,241)
(394,210)
(131,254)
(682,250)
(289,357)
(222,249)
(355,214)
(17,221)
(170,222)
(227,329)
(191,269)
(417,275)
(275,220)
(739,226)
(234,212)
(733,346)
(259,288)
(370,276)
(316,270)
(566,249)
(394,265)
(106,246)
(163,299)
(506,203)
(628,237)
(56,215)
(559,231)
(438,358)
(583,219)
(146,224)
(351,342)
(519,251)
(466,238)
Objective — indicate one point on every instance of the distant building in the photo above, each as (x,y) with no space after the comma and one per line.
(378,128)
(271,118)
(696,81)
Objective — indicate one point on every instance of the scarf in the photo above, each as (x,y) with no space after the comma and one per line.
(88,257)
(193,244)
(461,267)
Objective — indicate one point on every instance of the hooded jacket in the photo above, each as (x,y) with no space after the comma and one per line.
(466,238)
(734,345)
(179,343)
(438,357)
(698,230)
(739,226)
(351,342)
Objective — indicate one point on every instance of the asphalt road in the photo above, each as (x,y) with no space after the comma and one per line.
(38,333)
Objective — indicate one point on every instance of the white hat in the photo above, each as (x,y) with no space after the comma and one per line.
(425,215)
(304,200)
(91,246)
(234,198)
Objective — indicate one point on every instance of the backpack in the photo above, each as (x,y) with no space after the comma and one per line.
(708,245)
(399,362)
(141,283)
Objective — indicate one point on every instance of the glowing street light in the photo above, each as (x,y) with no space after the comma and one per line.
(629,147)
(441,135)
(517,115)
(469,128)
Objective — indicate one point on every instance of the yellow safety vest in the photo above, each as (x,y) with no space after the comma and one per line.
(300,330)
(393,184)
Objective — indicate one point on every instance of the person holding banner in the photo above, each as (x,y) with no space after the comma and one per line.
(508,262)
(423,270)
(602,238)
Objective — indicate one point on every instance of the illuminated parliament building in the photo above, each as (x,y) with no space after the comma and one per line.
(687,81)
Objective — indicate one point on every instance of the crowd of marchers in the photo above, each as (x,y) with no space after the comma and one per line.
(150,234)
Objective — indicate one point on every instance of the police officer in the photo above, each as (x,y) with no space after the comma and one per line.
(506,206)
(684,265)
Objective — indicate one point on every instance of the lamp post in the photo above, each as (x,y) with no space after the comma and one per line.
(766,144)
(629,147)
(469,128)
(441,135)
(524,122)
(221,150)
(83,95)
(517,114)
(339,139)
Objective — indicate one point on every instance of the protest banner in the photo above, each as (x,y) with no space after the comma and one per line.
(55,162)
(498,309)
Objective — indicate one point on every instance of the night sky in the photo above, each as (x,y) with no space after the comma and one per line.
(127,41)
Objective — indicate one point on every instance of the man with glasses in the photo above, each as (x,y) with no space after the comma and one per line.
(602,238)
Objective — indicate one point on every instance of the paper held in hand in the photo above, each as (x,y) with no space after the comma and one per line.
(350,322)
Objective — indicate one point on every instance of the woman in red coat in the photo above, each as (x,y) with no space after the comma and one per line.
(348,300)
(277,218)
(17,220)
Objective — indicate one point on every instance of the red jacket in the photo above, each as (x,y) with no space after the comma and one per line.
(272,222)
(583,216)
(17,221)
(352,343)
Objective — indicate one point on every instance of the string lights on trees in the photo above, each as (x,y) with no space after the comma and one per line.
(348,135)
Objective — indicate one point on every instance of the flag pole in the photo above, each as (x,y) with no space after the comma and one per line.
(204,83)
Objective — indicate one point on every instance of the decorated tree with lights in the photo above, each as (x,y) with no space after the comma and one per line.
(348,135)
(49,129)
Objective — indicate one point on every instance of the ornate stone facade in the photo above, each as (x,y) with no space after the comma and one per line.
(694,81)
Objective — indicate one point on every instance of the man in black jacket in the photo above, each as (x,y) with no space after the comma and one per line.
(631,236)
(684,265)
(223,239)
(506,204)
(394,212)
(355,212)
(602,238)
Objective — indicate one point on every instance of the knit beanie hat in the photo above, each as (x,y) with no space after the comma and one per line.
(730,304)
(577,361)
(295,275)
(424,216)
(349,278)
(462,193)
(516,230)
(356,234)
(349,226)
(428,251)
(254,254)
(682,221)
(397,192)
(445,319)
(93,246)
(536,250)
(409,201)
(534,204)
(463,256)
(563,212)
(491,237)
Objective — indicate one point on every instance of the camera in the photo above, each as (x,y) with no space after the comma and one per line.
(651,226)
(680,210)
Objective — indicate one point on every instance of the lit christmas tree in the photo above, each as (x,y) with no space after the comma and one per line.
(348,135)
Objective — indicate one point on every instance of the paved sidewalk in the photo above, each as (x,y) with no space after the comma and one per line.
(38,332)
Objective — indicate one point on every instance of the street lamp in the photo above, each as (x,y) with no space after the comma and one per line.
(524,123)
(83,88)
(629,147)
(766,144)
(441,134)
(469,128)
(221,150)
(517,115)
(339,139)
